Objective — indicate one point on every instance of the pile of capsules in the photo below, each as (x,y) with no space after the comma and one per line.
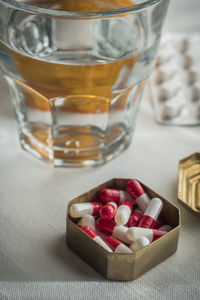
(175,82)
(124,221)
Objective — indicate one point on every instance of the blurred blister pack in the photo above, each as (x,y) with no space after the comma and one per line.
(174,85)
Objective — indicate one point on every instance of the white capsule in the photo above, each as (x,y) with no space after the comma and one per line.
(116,245)
(123,249)
(151,213)
(165,227)
(120,233)
(139,244)
(134,233)
(99,240)
(143,201)
(123,212)
(174,105)
(89,231)
(136,190)
(78,210)
(87,220)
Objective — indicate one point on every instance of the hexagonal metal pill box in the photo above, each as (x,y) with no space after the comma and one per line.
(118,266)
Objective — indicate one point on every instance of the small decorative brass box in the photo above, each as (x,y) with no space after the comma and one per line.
(115,266)
(189,182)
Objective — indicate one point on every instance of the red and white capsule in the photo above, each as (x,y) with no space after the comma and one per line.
(87,220)
(108,211)
(109,227)
(165,227)
(135,218)
(159,223)
(139,244)
(123,212)
(134,233)
(137,192)
(151,213)
(116,245)
(117,196)
(89,231)
(78,210)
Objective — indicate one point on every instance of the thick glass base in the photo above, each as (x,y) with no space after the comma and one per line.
(75,147)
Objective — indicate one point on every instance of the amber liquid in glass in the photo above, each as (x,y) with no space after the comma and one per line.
(66,90)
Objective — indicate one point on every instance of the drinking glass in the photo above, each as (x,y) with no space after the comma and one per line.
(76,71)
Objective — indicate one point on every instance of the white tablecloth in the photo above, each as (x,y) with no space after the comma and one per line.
(34,260)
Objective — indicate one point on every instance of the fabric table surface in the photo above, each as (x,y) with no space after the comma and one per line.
(34,260)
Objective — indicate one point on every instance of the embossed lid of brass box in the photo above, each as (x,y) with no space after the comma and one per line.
(189,182)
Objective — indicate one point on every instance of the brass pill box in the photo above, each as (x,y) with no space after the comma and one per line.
(116,266)
(189,183)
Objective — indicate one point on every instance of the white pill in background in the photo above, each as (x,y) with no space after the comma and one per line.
(173,107)
(191,59)
(166,71)
(78,210)
(187,61)
(87,220)
(194,42)
(196,91)
(166,52)
(170,88)
(139,244)
(194,74)
(165,228)
(194,53)
(183,45)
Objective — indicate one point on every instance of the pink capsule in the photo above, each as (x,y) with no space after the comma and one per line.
(135,218)
(134,233)
(108,211)
(78,210)
(89,231)
(123,212)
(116,245)
(137,192)
(165,227)
(117,196)
(109,227)
(159,223)
(151,213)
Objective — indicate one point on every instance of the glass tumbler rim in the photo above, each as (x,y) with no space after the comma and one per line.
(70,14)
